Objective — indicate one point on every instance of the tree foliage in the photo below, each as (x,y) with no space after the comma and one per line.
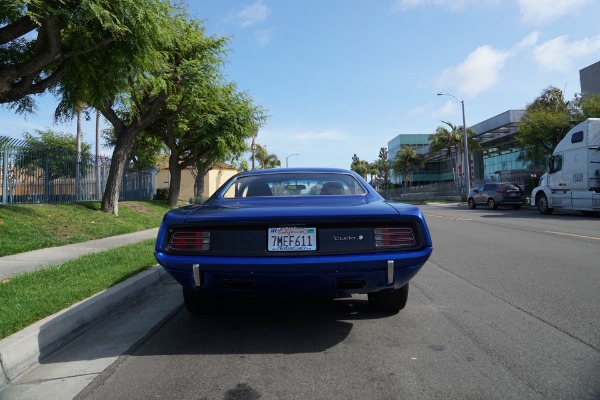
(266,159)
(448,141)
(406,160)
(589,104)
(42,42)
(359,166)
(382,165)
(53,153)
(146,65)
(212,125)
(547,120)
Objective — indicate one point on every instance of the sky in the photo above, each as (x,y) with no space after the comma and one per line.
(344,77)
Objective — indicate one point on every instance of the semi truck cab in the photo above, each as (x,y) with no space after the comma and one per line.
(573,178)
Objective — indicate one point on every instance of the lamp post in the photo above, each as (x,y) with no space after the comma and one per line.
(466,158)
(286,159)
(253,147)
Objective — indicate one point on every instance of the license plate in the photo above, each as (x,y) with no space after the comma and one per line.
(292,238)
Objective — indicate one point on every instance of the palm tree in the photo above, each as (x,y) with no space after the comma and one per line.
(261,155)
(472,143)
(272,161)
(266,160)
(406,160)
(448,140)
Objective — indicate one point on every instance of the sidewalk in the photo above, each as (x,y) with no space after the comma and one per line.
(32,260)
(26,348)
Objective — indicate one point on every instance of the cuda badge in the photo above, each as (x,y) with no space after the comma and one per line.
(343,238)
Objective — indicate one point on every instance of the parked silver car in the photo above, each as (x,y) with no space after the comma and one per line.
(497,194)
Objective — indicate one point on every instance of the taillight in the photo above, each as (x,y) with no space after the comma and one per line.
(394,237)
(501,191)
(190,241)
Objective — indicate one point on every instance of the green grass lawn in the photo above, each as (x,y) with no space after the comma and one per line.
(29,297)
(31,227)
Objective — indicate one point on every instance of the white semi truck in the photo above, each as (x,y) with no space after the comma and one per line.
(573,178)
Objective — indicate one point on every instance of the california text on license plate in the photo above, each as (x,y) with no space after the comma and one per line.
(292,238)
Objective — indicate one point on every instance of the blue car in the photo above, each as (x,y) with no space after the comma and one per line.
(294,232)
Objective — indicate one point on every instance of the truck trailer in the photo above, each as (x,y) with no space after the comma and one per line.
(573,178)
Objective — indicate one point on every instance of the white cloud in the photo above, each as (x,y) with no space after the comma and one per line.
(529,41)
(263,37)
(449,108)
(419,110)
(561,55)
(253,14)
(479,71)
(324,135)
(544,11)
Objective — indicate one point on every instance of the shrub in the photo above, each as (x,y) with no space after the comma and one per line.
(162,194)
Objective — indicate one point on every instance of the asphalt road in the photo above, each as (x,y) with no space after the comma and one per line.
(508,307)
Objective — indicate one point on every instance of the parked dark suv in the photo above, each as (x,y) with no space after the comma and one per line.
(497,194)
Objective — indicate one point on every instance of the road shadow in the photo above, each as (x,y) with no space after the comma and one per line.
(260,326)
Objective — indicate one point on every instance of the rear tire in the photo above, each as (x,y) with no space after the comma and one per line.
(492,204)
(541,201)
(471,203)
(389,300)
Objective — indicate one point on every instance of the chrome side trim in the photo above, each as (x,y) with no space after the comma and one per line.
(390,272)
(196,271)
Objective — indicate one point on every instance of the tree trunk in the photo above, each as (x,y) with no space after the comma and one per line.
(175,181)
(202,170)
(123,148)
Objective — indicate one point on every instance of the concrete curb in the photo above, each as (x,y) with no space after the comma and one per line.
(24,349)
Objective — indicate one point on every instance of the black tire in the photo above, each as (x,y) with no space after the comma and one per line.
(492,204)
(517,206)
(541,202)
(471,203)
(389,300)
(196,303)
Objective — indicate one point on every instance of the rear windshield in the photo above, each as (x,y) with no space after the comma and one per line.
(511,186)
(295,184)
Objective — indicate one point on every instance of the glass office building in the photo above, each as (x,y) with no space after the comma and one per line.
(435,169)
(501,158)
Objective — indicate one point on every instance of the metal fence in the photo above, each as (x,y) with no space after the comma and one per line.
(440,190)
(38,174)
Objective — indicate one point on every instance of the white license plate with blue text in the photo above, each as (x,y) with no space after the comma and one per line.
(292,238)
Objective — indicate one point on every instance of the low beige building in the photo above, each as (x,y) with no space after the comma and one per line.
(213,180)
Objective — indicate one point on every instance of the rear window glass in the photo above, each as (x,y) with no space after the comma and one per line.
(512,186)
(294,184)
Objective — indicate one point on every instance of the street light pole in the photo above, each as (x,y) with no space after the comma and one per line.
(253,147)
(466,158)
(286,159)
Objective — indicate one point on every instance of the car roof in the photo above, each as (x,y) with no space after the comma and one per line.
(285,170)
